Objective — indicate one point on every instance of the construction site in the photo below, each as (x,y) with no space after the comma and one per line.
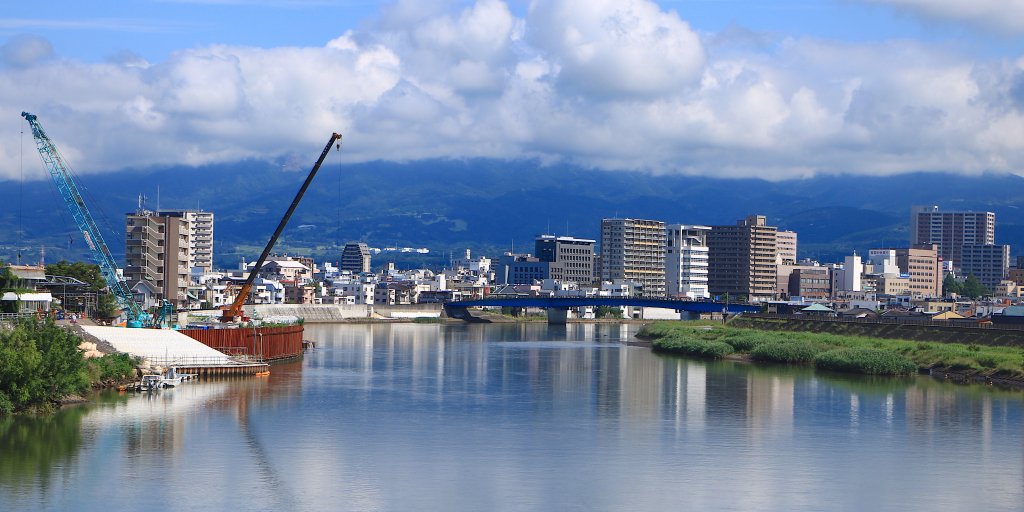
(227,344)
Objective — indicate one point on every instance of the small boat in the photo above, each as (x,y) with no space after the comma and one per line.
(149,383)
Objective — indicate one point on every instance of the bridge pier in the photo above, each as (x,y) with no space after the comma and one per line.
(689,315)
(558,316)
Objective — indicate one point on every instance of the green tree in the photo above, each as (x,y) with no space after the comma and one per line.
(951,285)
(106,306)
(608,312)
(86,272)
(39,364)
(974,289)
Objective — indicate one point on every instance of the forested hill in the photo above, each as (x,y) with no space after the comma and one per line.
(488,205)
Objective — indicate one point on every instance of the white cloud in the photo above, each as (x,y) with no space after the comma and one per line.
(609,84)
(25,50)
(1005,15)
(616,47)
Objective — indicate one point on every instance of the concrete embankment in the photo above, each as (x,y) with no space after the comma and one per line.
(916,332)
(165,347)
(335,313)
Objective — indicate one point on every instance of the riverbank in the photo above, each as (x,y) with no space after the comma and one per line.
(42,367)
(851,354)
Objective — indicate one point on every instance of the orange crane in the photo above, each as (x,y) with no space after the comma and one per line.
(235,310)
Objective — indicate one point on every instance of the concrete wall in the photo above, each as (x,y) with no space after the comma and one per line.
(327,313)
(940,334)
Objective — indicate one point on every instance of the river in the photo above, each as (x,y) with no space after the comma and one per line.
(410,417)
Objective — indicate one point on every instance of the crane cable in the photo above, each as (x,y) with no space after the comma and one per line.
(21,190)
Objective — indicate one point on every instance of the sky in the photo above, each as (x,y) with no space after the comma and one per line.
(724,88)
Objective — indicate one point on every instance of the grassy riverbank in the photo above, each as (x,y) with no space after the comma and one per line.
(41,366)
(852,354)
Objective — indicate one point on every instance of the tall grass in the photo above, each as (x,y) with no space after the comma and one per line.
(708,349)
(794,352)
(864,357)
(870,361)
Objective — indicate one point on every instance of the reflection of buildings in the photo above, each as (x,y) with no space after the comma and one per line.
(582,370)
(769,401)
(641,381)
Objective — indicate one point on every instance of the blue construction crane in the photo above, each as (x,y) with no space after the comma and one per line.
(137,317)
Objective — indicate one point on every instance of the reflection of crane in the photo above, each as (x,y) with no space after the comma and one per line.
(235,310)
(76,205)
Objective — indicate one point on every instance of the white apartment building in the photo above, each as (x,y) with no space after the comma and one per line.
(686,261)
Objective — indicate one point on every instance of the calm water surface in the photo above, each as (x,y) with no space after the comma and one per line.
(522,417)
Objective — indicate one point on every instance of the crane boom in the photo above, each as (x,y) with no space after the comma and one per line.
(80,212)
(235,310)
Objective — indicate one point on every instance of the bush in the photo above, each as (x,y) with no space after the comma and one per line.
(693,347)
(786,352)
(113,366)
(869,361)
(39,364)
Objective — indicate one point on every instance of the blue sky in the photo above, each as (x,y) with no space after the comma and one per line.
(713,87)
(94,31)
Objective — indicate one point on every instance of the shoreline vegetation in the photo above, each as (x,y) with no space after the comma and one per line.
(839,353)
(41,367)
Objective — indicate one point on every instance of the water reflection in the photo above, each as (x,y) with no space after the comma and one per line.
(523,417)
(32,447)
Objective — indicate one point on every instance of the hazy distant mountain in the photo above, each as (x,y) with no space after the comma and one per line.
(488,205)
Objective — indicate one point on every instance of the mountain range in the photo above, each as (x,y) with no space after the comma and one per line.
(489,206)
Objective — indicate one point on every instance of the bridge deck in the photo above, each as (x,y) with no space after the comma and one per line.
(573,302)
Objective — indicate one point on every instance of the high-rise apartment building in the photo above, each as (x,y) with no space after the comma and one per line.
(634,249)
(742,259)
(785,244)
(355,258)
(158,253)
(686,261)
(200,225)
(950,231)
(989,263)
(568,258)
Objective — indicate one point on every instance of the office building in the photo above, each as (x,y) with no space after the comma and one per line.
(686,261)
(812,282)
(742,259)
(355,258)
(634,250)
(568,258)
(920,264)
(521,269)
